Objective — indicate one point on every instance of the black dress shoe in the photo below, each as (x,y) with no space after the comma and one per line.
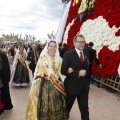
(1,111)
(8,107)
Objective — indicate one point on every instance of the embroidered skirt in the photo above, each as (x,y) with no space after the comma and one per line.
(51,103)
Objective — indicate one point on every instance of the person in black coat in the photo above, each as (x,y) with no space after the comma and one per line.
(92,55)
(75,67)
(5,78)
(60,49)
(33,58)
(63,50)
(39,49)
(29,48)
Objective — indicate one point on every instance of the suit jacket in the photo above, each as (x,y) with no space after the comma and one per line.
(31,58)
(92,55)
(74,83)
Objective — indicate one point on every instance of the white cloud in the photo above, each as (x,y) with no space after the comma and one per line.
(37,17)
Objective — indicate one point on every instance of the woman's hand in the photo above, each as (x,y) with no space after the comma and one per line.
(37,93)
(70,70)
(37,89)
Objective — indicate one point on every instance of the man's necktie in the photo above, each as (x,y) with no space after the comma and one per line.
(81,57)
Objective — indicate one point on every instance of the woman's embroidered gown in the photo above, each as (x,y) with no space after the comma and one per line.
(20,72)
(51,104)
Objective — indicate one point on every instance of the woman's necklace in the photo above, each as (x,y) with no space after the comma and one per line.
(51,55)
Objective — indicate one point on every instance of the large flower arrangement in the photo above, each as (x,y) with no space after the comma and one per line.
(101,27)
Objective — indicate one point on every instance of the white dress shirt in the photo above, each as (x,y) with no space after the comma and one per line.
(78,52)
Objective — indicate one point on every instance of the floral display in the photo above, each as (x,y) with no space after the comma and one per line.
(102,27)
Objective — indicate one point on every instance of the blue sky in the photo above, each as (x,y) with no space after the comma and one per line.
(35,17)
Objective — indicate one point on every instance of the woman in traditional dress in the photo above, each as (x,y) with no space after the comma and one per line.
(20,73)
(47,95)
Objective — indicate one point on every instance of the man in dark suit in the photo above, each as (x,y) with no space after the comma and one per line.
(33,57)
(92,55)
(75,67)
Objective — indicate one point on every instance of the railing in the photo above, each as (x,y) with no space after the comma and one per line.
(112,82)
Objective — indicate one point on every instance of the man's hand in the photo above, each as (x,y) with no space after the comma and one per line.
(100,66)
(70,70)
(82,73)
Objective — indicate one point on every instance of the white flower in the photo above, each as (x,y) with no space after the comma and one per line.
(98,32)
